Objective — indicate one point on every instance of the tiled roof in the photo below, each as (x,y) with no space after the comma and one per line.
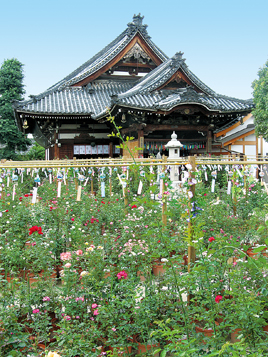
(77,100)
(108,53)
(63,99)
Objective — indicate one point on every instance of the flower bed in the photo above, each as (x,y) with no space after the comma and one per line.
(78,277)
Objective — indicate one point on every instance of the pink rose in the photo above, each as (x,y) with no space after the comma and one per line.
(95,312)
(94,306)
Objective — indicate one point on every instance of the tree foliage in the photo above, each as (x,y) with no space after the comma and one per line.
(11,89)
(36,152)
(260,94)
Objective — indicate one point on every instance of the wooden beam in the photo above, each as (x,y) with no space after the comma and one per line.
(225,131)
(244,143)
(165,127)
(239,137)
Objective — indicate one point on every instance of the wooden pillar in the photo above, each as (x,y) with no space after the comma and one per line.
(56,148)
(209,141)
(111,153)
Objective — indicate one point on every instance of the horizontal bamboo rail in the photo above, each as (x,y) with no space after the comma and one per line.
(199,160)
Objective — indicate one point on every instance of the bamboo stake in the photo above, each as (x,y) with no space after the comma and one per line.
(164,207)
(191,249)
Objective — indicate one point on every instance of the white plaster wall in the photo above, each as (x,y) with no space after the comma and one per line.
(237,148)
(265,148)
(250,150)
(251,137)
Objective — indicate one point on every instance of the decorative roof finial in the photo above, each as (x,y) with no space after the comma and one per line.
(137,19)
(136,24)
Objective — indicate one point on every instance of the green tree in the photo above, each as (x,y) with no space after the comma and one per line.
(36,152)
(260,98)
(11,89)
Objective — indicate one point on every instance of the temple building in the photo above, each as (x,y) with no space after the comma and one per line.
(149,94)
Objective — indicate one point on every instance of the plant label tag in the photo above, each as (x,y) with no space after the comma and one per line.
(59,189)
(139,188)
(79,190)
(213,185)
(161,187)
(14,192)
(102,189)
(229,187)
(34,194)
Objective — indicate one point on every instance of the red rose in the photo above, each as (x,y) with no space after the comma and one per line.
(218,298)
(211,239)
(134,206)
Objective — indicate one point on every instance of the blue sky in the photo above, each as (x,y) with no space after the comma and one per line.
(224,42)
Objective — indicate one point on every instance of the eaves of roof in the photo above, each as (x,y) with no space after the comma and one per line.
(237,134)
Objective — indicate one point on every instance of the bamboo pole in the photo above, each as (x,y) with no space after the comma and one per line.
(191,249)
(164,207)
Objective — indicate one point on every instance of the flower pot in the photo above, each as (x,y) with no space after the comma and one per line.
(144,348)
(158,269)
(251,254)
(121,351)
(206,332)
(265,328)
(234,335)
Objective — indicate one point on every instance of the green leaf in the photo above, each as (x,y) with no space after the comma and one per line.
(259,249)
(163,353)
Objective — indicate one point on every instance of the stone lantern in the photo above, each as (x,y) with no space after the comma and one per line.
(174,153)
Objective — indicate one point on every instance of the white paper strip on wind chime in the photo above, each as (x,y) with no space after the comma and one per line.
(79,190)
(34,194)
(59,189)
(206,175)
(102,189)
(229,187)
(120,180)
(213,185)
(140,188)
(239,172)
(127,173)
(7,181)
(21,179)
(86,181)
(45,172)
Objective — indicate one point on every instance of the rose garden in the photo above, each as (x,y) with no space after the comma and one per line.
(114,260)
